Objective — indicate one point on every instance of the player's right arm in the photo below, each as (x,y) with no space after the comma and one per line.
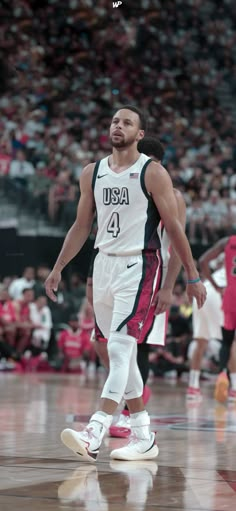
(209,256)
(163,298)
(78,233)
(159,185)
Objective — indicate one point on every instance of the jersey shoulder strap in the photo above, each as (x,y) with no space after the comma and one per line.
(95,173)
(142,176)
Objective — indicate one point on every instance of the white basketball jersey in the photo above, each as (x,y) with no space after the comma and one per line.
(126,214)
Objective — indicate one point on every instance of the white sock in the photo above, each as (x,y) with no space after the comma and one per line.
(140,425)
(233,380)
(194,377)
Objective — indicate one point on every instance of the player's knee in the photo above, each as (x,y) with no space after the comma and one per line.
(201,345)
(120,349)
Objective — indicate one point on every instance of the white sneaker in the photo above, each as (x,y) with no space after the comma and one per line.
(137,449)
(83,443)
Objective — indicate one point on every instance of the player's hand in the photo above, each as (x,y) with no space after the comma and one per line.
(51,284)
(197,291)
(162,300)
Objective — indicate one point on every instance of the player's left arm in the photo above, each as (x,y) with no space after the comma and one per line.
(208,256)
(163,298)
(159,185)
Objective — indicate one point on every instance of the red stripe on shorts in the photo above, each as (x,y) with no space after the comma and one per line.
(148,324)
(151,270)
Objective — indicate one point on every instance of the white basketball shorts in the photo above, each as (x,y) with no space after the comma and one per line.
(208,320)
(123,289)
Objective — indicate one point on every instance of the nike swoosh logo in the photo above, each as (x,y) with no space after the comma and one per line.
(99,177)
(130,265)
(128,392)
(111,392)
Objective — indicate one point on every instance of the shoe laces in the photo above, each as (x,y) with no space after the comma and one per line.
(134,439)
(90,432)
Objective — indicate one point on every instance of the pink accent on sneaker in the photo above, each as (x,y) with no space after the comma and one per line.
(121,428)
(146,394)
(119,432)
(125,412)
(194,394)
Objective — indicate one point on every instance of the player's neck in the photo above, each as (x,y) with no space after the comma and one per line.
(120,160)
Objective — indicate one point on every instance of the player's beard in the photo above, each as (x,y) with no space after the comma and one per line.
(121,143)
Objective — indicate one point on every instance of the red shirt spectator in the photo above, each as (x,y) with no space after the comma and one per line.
(7,309)
(86,323)
(71,342)
(5,161)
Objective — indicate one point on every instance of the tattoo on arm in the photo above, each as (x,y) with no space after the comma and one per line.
(62,263)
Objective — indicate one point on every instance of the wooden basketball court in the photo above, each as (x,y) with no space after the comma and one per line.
(195,469)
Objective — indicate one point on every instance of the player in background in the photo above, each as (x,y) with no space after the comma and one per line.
(152,147)
(227,246)
(207,325)
(131,194)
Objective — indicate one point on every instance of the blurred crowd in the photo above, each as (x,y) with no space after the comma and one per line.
(37,334)
(64,69)
(34,330)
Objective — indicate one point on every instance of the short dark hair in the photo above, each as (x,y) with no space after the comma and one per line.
(140,113)
(27,289)
(151,146)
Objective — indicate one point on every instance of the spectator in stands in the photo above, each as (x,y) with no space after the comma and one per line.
(77,290)
(217,221)
(19,284)
(195,219)
(24,322)
(5,158)
(168,359)
(72,345)
(69,207)
(40,316)
(8,323)
(42,272)
(87,324)
(38,188)
(58,194)
(20,170)
(70,83)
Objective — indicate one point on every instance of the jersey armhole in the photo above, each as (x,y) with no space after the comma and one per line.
(95,174)
(142,176)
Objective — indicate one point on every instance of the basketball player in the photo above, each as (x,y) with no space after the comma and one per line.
(156,331)
(130,193)
(207,324)
(228,247)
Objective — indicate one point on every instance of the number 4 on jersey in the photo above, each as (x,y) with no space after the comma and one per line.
(114,225)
